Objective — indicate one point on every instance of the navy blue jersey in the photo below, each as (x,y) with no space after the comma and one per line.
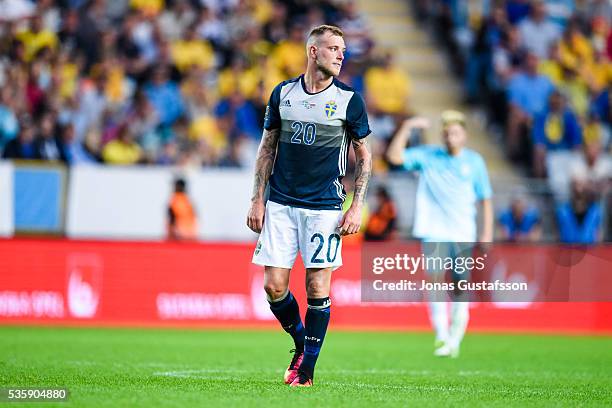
(315,134)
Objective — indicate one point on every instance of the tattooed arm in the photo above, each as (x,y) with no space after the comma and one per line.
(351,222)
(263,170)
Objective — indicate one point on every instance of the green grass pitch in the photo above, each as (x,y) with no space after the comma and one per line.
(181,368)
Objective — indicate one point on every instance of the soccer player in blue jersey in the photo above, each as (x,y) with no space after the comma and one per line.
(309,123)
(453,180)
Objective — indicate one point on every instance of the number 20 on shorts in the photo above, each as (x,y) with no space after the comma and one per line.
(332,241)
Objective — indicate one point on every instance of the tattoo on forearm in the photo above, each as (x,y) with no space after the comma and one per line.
(363,169)
(264,162)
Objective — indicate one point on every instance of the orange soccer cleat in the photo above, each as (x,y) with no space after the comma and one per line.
(302,380)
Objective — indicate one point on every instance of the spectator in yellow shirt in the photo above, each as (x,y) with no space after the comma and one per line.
(387,87)
(289,56)
(191,51)
(270,76)
(118,88)
(595,132)
(123,150)
(575,51)
(148,7)
(575,90)
(552,67)
(205,128)
(66,73)
(238,78)
(36,38)
(598,74)
(262,10)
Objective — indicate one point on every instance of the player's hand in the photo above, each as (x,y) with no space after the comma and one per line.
(351,221)
(419,122)
(255,218)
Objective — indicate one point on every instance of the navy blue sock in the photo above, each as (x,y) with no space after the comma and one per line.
(287,312)
(317,319)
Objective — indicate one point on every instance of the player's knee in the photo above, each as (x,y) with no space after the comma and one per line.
(316,289)
(275,290)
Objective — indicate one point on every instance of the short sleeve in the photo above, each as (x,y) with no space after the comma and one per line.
(482,185)
(272,119)
(357,118)
(414,157)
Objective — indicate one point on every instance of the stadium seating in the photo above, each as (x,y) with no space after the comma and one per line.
(156,82)
(185,82)
(491,45)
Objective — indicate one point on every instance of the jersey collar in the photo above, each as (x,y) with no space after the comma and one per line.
(314,93)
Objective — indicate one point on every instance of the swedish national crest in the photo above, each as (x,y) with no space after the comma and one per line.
(330,108)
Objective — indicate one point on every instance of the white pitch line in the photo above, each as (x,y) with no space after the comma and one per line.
(215,372)
(201,373)
(116,364)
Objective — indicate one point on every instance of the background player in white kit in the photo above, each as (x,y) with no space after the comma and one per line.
(309,123)
(453,181)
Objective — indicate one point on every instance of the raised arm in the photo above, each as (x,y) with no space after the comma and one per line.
(395,152)
(263,170)
(351,221)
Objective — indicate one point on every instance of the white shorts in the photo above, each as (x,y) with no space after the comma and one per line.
(315,233)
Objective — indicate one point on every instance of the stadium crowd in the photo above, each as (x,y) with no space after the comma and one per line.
(176,82)
(542,71)
(185,82)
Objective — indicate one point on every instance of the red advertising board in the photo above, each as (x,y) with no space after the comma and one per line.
(204,284)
